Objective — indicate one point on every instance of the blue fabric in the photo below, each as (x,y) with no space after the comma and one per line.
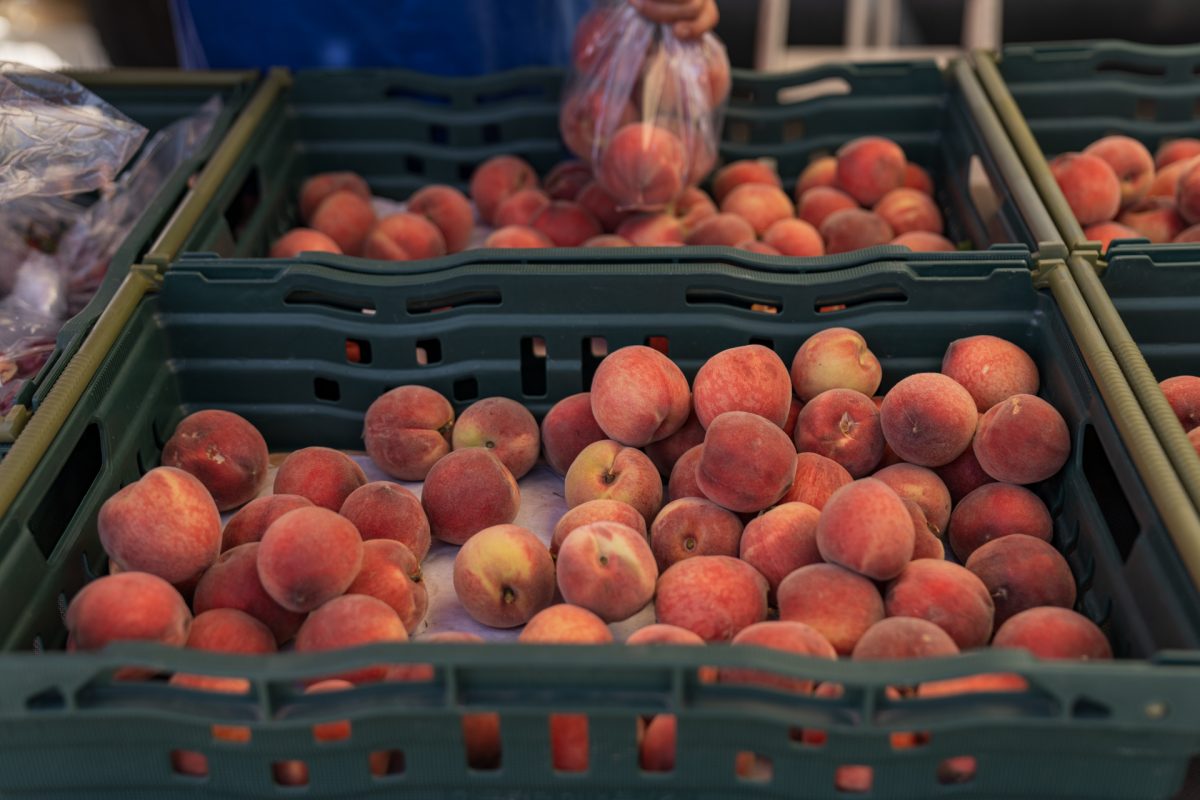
(448,37)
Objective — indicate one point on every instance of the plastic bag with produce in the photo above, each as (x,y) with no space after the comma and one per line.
(644,107)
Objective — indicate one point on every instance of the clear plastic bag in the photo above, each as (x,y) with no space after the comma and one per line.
(642,106)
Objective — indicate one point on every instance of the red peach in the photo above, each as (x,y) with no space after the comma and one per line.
(601,510)
(1130,160)
(923,487)
(838,603)
(789,636)
(835,358)
(316,188)
(609,470)
(995,510)
(854,229)
(404,237)
(518,236)
(950,596)
(607,240)
(750,378)
(897,638)
(503,426)
(789,426)
(1187,194)
(819,172)
(503,575)
(350,621)
(928,419)
(866,528)
(651,230)
(926,544)
(693,526)
(963,475)
(843,425)
(720,229)
(817,478)
(1172,150)
(642,166)
(467,491)
(385,510)
(816,204)
(1190,234)
(924,242)
(252,521)
(587,120)
(1166,182)
(224,630)
(324,476)
(747,463)
(682,482)
(639,396)
(601,205)
(915,177)
(407,430)
(755,246)
(565,624)
(124,607)
(665,452)
(567,428)
(656,753)
(1090,186)
(663,634)
(566,178)
(565,223)
(1183,395)
(233,582)
(991,369)
(592,38)
(692,207)
(391,573)
(759,204)
(869,167)
(1022,440)
(714,597)
(1155,218)
(1021,572)
(302,240)
(165,524)
(908,210)
(794,237)
(498,178)
(346,218)
(448,209)
(738,173)
(607,568)
(780,541)
(307,557)
(1054,633)
(519,208)
(224,451)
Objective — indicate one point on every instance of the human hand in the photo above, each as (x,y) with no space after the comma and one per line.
(689,19)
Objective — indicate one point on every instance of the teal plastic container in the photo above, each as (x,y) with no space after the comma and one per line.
(269,341)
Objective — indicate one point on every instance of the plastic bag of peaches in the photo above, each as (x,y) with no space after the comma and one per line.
(642,106)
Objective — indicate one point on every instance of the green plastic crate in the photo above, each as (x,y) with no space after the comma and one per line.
(403,130)
(269,341)
(154,99)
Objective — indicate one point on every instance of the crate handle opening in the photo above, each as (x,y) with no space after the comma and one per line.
(311,297)
(449,302)
(406,92)
(721,297)
(881,295)
(1132,68)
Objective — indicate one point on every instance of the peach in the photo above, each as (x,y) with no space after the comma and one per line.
(1022,572)
(651,230)
(503,426)
(907,210)
(350,621)
(1183,395)
(781,541)
(639,396)
(467,491)
(928,419)
(1090,186)
(1130,160)
(224,451)
(592,38)
(1022,440)
(406,430)
(391,573)
(607,240)
(404,237)
(747,463)
(1154,218)
(854,229)
(609,470)
(994,510)
(385,510)
(224,630)
(1187,194)
(949,596)
(656,753)
(714,597)
(915,177)
(835,358)
(308,556)
(816,479)
(786,635)
(567,429)
(565,624)
(794,237)
(659,633)
(302,240)
(924,242)
(682,482)
(504,575)
(1166,182)
(923,487)
(518,236)
(295,773)
(325,477)
(738,173)
(1172,150)
(836,602)
(565,223)
(607,568)
(128,606)
(601,205)
(843,425)
(315,189)
(869,167)
(449,210)
(587,120)
(665,452)
(898,638)
(520,208)
(819,172)
(963,475)
(233,582)
(760,204)
(926,544)
(498,178)
(816,204)
(346,218)
(1054,633)
(596,511)
(566,178)
(166,524)
(789,425)
(720,229)
(751,378)
(253,519)
(865,527)
(755,246)
(987,682)
(642,166)
(692,207)
(693,526)
(991,369)
(1189,234)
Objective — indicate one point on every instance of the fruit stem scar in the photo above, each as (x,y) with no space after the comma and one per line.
(508,595)
(609,477)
